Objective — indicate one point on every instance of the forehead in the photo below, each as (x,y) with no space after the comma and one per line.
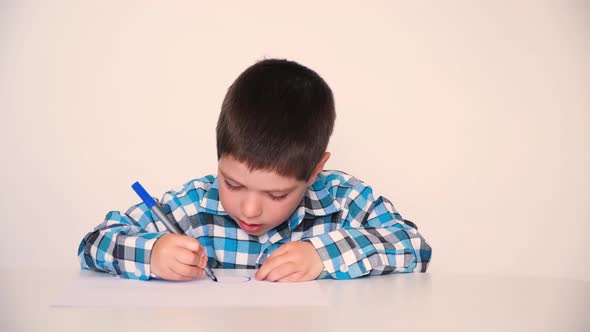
(263,180)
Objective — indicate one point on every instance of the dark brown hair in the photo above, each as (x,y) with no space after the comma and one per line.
(277,115)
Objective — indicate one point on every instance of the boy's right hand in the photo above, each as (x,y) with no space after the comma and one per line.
(178,257)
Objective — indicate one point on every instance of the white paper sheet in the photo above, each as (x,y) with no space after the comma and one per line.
(236,288)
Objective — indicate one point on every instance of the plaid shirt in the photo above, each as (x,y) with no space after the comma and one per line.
(354,233)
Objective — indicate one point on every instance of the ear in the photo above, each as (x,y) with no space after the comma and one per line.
(319,167)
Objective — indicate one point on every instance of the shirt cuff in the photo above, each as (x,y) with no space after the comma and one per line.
(342,258)
(133,255)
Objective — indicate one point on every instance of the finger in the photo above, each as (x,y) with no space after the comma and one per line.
(293,277)
(202,261)
(282,271)
(188,271)
(171,275)
(282,250)
(191,244)
(269,265)
(188,257)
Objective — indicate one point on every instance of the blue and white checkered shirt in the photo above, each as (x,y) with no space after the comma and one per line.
(354,233)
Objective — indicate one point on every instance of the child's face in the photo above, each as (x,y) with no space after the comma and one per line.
(257,200)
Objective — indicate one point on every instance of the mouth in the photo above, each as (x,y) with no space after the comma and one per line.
(250,228)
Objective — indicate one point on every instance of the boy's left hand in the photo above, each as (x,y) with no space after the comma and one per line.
(293,261)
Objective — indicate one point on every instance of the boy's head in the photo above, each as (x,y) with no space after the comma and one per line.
(272,134)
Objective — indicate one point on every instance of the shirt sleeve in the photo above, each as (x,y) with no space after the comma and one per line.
(373,240)
(122,243)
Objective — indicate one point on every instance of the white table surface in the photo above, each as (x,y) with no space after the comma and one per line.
(408,302)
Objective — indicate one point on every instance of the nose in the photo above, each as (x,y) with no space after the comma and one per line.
(251,206)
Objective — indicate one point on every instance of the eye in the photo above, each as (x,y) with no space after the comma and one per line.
(232,187)
(277,198)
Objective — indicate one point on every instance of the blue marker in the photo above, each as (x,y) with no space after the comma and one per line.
(172,227)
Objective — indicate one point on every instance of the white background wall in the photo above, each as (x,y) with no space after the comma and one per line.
(472,117)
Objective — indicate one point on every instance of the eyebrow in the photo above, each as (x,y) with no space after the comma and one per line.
(285,190)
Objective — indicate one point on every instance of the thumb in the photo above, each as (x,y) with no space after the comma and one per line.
(190,243)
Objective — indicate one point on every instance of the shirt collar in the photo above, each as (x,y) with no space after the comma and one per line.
(317,201)
(210,202)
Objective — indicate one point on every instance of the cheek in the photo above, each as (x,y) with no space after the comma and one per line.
(230,201)
(280,211)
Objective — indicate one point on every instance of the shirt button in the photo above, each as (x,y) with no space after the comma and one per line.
(343,268)
(361,251)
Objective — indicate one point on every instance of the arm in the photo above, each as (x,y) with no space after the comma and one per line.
(122,244)
(374,240)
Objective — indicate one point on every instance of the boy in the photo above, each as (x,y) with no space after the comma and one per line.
(271,207)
